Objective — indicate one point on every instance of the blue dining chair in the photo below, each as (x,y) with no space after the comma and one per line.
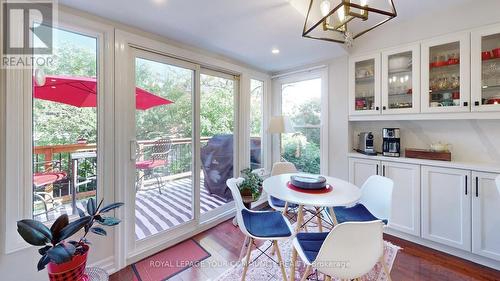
(259,225)
(375,202)
(280,168)
(347,252)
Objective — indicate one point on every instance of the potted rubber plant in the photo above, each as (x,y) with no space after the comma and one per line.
(66,260)
(251,187)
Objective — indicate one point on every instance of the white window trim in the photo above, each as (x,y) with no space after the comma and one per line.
(18,122)
(297,76)
(265,109)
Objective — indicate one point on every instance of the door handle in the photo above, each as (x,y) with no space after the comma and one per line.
(477,186)
(133,150)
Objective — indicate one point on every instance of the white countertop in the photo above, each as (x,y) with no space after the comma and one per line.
(480,167)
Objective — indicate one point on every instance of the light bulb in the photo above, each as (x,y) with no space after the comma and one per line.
(325,7)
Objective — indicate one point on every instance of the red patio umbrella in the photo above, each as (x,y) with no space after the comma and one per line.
(82,92)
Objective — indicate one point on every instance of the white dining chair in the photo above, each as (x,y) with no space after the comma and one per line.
(498,183)
(259,225)
(375,202)
(347,252)
(280,168)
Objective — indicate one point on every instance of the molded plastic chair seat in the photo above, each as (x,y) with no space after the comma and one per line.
(356,213)
(310,243)
(280,203)
(265,224)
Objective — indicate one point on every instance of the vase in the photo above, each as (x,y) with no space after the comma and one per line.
(73,270)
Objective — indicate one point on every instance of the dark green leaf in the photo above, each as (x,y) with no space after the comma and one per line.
(34,232)
(98,231)
(61,222)
(99,218)
(61,253)
(73,227)
(44,250)
(91,206)
(111,207)
(109,221)
(81,212)
(43,262)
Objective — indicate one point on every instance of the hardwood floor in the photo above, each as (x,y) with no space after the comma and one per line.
(413,262)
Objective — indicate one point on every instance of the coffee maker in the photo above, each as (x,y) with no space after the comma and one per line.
(365,144)
(391,142)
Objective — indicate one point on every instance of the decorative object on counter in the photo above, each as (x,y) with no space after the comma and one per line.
(440,147)
(327,20)
(66,260)
(427,154)
(391,145)
(365,144)
(308,182)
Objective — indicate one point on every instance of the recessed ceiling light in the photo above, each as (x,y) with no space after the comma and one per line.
(275,51)
(159,2)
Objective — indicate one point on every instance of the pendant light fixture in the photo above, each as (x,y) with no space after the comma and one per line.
(342,21)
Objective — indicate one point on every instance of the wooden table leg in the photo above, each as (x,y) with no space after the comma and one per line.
(334,218)
(298,226)
(320,222)
(300,218)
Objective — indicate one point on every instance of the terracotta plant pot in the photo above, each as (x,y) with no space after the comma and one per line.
(71,270)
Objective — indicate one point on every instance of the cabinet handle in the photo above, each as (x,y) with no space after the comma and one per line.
(377,108)
(466,103)
(476,103)
(477,186)
(377,169)
(384,108)
(383,170)
(466,180)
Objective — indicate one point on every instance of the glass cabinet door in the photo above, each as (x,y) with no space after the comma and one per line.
(446,80)
(364,87)
(486,74)
(400,81)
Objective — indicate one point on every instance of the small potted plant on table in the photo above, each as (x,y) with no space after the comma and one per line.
(66,260)
(251,187)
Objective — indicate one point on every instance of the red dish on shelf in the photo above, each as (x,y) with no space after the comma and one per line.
(486,55)
(496,53)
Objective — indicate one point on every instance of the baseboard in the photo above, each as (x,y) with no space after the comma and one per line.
(107,264)
(445,249)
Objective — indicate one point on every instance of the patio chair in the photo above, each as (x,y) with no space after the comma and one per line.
(159,152)
(42,181)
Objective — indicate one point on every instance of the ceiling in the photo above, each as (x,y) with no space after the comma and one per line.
(243,30)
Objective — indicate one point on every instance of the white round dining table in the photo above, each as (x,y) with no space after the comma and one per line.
(343,193)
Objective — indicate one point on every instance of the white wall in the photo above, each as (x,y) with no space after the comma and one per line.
(472,140)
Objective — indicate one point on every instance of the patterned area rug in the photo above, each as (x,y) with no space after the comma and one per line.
(264,269)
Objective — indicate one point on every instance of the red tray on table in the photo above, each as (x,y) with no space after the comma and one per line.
(327,189)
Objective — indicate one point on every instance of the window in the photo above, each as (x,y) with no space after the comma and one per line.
(256,123)
(64,116)
(301,102)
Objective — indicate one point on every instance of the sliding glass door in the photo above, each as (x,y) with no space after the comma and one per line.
(164,178)
(217,138)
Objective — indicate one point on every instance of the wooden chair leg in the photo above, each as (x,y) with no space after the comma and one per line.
(243,247)
(306,273)
(292,266)
(300,218)
(334,218)
(328,278)
(285,210)
(247,260)
(320,222)
(386,270)
(280,260)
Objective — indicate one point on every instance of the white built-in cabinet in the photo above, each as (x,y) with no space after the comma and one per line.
(485,66)
(401,80)
(454,73)
(485,215)
(446,206)
(364,85)
(445,74)
(455,207)
(405,211)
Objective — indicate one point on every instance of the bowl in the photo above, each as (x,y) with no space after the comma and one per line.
(486,55)
(496,53)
